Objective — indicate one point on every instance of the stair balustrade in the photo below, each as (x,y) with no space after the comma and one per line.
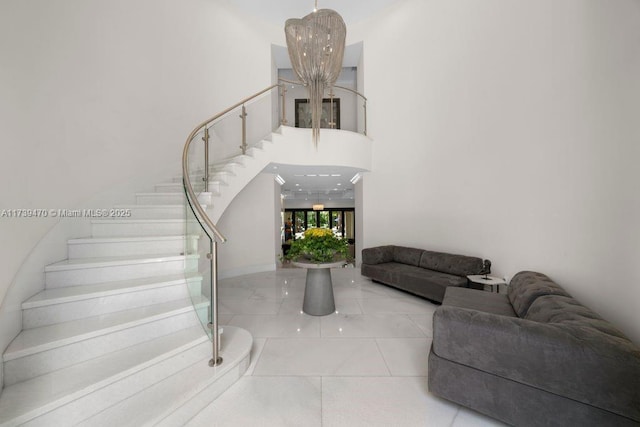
(204,167)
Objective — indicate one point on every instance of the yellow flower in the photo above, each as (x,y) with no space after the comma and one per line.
(318,232)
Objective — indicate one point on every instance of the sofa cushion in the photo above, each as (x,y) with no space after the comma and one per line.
(426,283)
(526,286)
(566,311)
(409,256)
(478,300)
(460,265)
(377,255)
(584,365)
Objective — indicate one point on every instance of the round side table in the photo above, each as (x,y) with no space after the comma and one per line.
(483,279)
(318,290)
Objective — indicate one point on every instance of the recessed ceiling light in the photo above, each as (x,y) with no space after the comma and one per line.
(275,167)
(336,174)
(323,174)
(297,185)
(312,175)
(339,183)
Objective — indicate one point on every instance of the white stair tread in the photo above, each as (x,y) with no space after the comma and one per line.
(78,293)
(140,221)
(41,394)
(159,193)
(36,340)
(131,239)
(174,205)
(83,263)
(178,184)
(152,405)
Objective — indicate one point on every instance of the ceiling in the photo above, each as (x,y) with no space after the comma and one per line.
(315,183)
(278,11)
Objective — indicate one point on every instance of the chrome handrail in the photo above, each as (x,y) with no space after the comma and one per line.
(364,98)
(200,214)
(295,82)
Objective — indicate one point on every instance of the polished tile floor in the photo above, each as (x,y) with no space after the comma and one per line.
(364,365)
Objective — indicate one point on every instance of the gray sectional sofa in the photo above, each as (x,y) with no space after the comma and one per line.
(533,357)
(424,273)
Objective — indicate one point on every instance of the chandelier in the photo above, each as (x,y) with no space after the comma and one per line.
(316,49)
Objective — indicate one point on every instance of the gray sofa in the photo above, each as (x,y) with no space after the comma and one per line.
(533,357)
(424,273)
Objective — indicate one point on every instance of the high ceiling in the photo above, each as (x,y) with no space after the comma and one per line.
(315,183)
(278,11)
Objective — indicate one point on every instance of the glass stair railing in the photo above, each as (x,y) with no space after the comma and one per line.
(223,138)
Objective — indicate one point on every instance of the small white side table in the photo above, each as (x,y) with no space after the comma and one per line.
(483,279)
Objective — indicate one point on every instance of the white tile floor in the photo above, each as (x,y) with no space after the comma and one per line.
(365,365)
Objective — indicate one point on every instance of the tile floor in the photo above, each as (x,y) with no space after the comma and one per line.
(364,365)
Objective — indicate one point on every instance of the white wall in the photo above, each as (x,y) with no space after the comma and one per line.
(96,96)
(512,135)
(248,224)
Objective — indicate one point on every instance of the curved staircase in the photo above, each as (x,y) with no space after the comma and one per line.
(115,338)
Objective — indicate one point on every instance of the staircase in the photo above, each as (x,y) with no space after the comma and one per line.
(114,338)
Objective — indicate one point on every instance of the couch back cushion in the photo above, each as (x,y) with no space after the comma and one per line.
(527,286)
(377,255)
(566,311)
(459,265)
(409,256)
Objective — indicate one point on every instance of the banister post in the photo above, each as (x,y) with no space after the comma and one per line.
(205,138)
(243,116)
(213,325)
(283,121)
(365,117)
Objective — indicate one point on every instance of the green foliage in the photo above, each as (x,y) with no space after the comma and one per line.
(318,245)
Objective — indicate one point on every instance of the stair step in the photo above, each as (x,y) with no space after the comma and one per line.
(88,271)
(76,302)
(176,211)
(169,198)
(124,246)
(179,397)
(142,227)
(45,349)
(214,175)
(214,187)
(98,383)
(231,165)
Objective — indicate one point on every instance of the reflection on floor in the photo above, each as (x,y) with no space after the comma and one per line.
(364,365)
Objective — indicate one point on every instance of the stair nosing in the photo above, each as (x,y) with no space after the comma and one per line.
(123,239)
(97,262)
(156,282)
(85,390)
(10,355)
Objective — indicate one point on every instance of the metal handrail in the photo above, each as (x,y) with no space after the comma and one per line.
(200,214)
(364,98)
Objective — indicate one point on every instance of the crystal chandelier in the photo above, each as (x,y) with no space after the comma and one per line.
(316,49)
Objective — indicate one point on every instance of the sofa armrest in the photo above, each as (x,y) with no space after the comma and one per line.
(602,371)
(377,255)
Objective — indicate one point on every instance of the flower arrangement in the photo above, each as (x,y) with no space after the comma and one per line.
(318,245)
